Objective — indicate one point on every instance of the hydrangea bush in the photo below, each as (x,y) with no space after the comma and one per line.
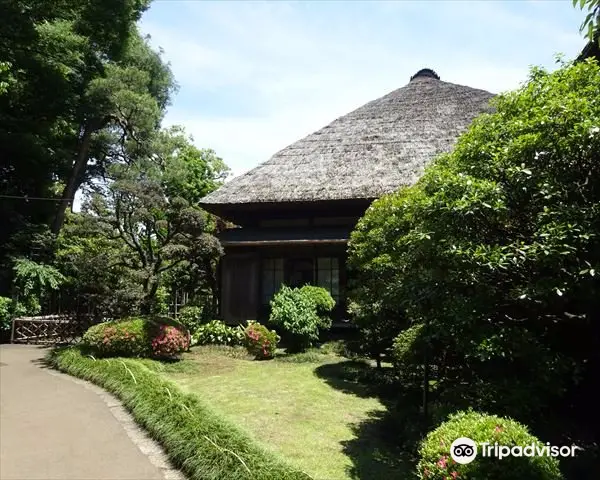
(217,332)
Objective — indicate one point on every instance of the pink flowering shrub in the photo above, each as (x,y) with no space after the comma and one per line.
(134,337)
(436,462)
(170,342)
(122,338)
(260,341)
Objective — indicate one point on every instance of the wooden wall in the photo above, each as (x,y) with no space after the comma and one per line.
(239,287)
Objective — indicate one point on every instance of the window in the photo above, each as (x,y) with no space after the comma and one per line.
(328,276)
(272,278)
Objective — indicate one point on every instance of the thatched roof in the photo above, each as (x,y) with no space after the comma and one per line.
(592,49)
(371,151)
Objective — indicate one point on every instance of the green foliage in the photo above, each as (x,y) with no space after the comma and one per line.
(300,313)
(408,354)
(189,173)
(591,23)
(436,464)
(191,316)
(169,342)
(217,333)
(378,326)
(32,278)
(5,313)
(122,338)
(496,249)
(196,439)
(136,337)
(100,275)
(260,341)
(322,300)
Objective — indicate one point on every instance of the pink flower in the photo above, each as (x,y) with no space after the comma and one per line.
(498,429)
(454,475)
(443,462)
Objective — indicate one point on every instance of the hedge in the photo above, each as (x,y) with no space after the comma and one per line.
(196,440)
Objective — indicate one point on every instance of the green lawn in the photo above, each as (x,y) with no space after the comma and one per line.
(326,426)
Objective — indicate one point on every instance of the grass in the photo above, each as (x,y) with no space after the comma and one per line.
(197,440)
(303,407)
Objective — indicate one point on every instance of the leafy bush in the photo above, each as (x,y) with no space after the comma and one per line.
(323,301)
(5,313)
(134,337)
(122,338)
(300,312)
(260,341)
(217,332)
(170,341)
(497,248)
(435,461)
(191,317)
(408,354)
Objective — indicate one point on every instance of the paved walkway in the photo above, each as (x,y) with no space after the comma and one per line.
(53,427)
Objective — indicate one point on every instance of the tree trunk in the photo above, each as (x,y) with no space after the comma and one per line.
(75,179)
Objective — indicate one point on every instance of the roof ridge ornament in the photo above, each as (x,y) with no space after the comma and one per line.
(425,73)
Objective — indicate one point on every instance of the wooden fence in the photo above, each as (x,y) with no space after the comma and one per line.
(50,329)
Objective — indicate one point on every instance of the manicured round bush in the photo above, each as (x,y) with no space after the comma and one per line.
(260,341)
(299,313)
(121,338)
(131,337)
(217,332)
(436,462)
(170,342)
(323,301)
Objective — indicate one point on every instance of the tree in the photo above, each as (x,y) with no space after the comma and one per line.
(78,86)
(157,226)
(497,248)
(119,110)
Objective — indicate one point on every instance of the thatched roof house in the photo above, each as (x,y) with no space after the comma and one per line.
(297,209)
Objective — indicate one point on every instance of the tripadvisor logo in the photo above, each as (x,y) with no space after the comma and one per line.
(464,450)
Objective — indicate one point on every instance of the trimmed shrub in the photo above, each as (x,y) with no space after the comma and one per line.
(323,301)
(170,342)
(122,338)
(217,332)
(260,341)
(436,463)
(132,337)
(408,354)
(300,313)
(191,317)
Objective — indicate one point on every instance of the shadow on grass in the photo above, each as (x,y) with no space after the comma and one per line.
(385,443)
(357,377)
(375,451)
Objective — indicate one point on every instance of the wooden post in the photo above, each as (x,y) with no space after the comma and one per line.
(12,332)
